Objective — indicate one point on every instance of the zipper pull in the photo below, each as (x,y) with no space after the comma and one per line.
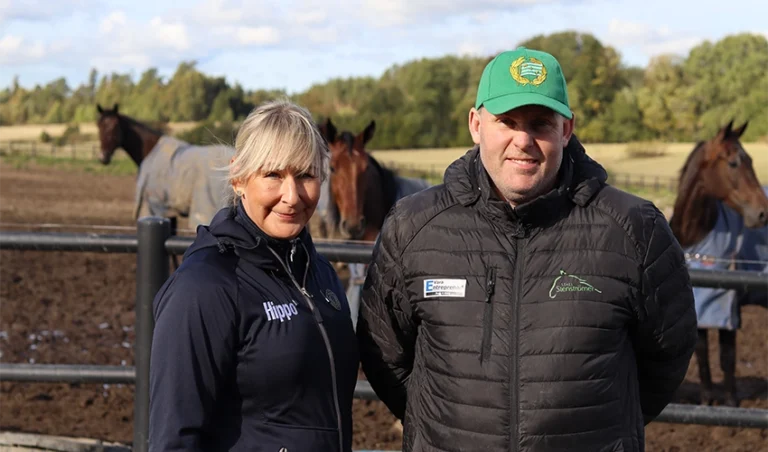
(306,293)
(490,284)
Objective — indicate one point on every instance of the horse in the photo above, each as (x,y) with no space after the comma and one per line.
(360,190)
(718,197)
(176,179)
(358,195)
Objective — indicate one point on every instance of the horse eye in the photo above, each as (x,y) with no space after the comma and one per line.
(733,163)
(332,170)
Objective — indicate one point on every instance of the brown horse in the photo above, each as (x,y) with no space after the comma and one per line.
(717,173)
(361,190)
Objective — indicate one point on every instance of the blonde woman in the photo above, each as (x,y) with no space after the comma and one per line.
(253,346)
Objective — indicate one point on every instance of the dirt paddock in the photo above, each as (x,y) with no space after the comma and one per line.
(77,308)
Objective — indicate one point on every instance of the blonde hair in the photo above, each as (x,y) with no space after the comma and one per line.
(278,135)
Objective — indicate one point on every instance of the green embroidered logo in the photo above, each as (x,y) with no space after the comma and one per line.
(570,283)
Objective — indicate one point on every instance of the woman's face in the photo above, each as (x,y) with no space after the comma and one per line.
(280,202)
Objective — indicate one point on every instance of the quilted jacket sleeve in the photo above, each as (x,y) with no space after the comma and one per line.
(385,328)
(666,334)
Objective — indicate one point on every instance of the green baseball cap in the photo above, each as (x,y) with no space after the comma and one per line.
(523,77)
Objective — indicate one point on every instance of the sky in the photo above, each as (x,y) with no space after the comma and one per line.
(293,44)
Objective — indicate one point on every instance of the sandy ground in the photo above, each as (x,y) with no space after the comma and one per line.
(77,308)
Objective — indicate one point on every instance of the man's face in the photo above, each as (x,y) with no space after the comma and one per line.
(521,149)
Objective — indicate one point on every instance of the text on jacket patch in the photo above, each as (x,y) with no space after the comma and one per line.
(281,312)
(444,287)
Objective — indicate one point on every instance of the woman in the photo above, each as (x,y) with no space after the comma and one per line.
(253,346)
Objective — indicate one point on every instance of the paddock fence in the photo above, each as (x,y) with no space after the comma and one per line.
(153,244)
(432,173)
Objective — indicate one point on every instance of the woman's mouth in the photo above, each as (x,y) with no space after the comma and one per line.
(286,216)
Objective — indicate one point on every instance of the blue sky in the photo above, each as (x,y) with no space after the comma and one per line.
(293,44)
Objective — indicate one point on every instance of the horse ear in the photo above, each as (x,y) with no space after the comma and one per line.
(115,109)
(368,132)
(725,132)
(328,130)
(740,131)
(101,110)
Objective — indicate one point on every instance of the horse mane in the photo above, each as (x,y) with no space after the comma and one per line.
(141,125)
(686,178)
(687,226)
(388,178)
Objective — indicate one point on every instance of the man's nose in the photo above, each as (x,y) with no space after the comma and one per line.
(522,139)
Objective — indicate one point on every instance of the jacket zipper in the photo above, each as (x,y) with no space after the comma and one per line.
(490,285)
(319,322)
(514,396)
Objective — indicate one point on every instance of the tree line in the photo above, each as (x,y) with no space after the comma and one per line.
(424,103)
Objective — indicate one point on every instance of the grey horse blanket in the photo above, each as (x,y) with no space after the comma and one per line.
(180,179)
(717,308)
(729,243)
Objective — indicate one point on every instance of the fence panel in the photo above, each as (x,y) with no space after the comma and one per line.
(153,245)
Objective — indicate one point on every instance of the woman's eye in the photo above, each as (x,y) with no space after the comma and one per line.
(272,175)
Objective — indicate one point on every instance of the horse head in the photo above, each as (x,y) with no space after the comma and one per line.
(110,132)
(719,170)
(350,165)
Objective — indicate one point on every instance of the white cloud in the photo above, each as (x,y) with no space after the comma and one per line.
(114,20)
(257,35)
(39,10)
(172,34)
(121,36)
(401,12)
(16,50)
(650,40)
(311,18)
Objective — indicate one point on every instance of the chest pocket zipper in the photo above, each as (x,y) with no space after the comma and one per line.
(490,286)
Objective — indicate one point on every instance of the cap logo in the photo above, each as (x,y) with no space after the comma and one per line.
(530,72)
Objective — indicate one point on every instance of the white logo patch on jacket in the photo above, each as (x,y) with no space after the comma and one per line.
(281,312)
(445,288)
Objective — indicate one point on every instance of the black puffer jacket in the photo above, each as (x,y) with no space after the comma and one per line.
(559,325)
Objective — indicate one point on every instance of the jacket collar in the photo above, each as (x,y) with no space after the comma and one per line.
(232,229)
(579,179)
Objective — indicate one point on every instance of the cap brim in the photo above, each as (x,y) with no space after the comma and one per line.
(503,104)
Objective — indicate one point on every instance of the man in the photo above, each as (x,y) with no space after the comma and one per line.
(524,304)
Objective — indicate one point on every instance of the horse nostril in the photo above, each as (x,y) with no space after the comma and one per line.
(763,217)
(362,222)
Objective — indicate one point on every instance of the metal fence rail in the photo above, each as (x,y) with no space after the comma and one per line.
(153,245)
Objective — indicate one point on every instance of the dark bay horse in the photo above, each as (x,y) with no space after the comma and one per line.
(718,196)
(358,195)
(362,191)
(176,179)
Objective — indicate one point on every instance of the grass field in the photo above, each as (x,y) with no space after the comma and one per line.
(613,157)
(31,132)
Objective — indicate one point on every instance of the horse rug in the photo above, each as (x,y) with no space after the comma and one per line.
(181,179)
(753,256)
(717,308)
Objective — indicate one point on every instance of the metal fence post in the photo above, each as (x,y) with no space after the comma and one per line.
(151,272)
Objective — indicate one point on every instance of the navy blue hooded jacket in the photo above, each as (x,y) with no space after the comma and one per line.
(242,350)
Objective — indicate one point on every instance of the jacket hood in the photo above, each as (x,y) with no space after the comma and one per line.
(231,229)
(579,180)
